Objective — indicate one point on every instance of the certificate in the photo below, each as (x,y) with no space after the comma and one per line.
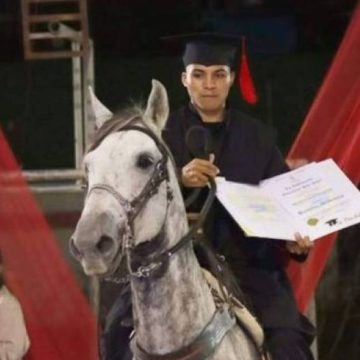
(314,200)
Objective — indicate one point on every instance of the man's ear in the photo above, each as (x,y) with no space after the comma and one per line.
(183,78)
(232,77)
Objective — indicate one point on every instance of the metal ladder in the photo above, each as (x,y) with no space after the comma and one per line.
(58,29)
(50,27)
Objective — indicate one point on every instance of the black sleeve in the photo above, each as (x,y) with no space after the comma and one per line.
(276,164)
(174,137)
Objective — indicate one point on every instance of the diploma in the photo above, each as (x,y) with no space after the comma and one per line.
(315,200)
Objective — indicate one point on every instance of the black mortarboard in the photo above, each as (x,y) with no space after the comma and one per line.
(207,48)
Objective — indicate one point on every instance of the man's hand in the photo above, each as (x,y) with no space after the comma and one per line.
(295,163)
(301,245)
(197,172)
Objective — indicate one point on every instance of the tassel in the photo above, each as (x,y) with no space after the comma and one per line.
(246,83)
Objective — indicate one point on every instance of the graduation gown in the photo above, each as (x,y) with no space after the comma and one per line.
(246,152)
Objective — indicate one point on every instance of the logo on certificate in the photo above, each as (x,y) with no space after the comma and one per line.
(332,222)
(312,221)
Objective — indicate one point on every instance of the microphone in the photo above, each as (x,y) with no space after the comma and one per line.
(198,142)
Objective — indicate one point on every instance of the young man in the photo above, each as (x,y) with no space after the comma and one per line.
(242,150)
(14,340)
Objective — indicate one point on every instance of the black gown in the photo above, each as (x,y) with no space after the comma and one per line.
(245,151)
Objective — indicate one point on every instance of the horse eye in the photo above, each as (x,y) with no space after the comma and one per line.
(144,161)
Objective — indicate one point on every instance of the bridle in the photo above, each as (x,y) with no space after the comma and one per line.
(160,173)
(148,266)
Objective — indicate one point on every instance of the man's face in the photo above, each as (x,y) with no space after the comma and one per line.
(208,86)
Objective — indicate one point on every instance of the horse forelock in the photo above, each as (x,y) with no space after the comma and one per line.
(127,116)
(130,115)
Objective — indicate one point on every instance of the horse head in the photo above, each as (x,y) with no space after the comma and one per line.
(129,185)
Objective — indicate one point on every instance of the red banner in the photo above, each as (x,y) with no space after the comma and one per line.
(59,320)
(331,130)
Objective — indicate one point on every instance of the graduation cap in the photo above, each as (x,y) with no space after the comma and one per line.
(217,49)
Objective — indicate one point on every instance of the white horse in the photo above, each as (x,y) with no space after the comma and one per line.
(134,212)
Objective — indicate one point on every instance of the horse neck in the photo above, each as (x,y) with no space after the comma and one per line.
(171,311)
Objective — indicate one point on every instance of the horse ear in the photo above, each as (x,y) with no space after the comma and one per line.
(101,112)
(157,109)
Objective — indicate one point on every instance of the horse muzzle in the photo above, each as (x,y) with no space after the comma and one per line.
(96,242)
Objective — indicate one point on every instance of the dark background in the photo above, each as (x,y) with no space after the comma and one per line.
(291,44)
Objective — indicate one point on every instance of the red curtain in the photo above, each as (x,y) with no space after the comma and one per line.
(59,320)
(331,130)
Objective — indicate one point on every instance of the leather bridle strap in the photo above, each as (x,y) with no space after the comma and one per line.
(201,348)
(132,208)
(149,266)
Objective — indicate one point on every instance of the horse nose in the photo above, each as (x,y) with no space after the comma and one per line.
(74,250)
(97,235)
(105,245)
